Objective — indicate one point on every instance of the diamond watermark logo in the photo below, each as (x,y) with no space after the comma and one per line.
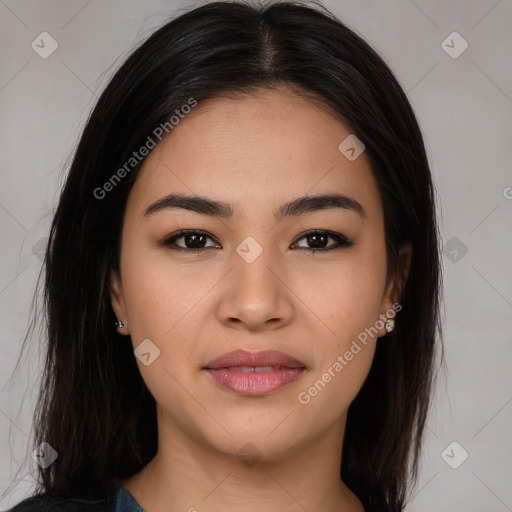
(39,248)
(454,455)
(249,454)
(455,250)
(44,455)
(454,45)
(146,352)
(351,147)
(249,249)
(44,45)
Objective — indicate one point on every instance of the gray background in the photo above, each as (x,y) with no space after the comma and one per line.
(464,106)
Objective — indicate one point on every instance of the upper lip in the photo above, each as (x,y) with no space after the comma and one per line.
(263,358)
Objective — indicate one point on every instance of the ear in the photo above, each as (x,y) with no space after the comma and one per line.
(117,301)
(391,300)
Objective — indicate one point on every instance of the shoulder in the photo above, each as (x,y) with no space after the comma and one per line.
(39,504)
(45,503)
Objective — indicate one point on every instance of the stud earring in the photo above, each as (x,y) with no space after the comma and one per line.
(390,325)
(119,324)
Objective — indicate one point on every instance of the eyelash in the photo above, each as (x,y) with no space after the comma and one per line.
(341,240)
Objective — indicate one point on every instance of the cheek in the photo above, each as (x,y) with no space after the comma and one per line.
(348,296)
(349,301)
(160,300)
(156,290)
(344,353)
(162,306)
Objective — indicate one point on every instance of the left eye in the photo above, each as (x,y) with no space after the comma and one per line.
(195,240)
(319,238)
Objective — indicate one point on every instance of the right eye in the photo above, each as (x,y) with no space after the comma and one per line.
(194,240)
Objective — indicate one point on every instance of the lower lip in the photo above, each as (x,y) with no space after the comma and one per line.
(255,383)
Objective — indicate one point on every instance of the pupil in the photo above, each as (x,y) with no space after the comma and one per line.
(194,242)
(315,237)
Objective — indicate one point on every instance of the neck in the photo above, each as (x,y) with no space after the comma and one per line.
(193,476)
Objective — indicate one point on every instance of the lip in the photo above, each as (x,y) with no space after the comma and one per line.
(232,371)
(263,358)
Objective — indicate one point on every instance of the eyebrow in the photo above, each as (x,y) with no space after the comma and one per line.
(299,206)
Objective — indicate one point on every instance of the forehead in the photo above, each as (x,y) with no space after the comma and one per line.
(269,146)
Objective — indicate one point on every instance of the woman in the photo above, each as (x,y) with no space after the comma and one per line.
(242,278)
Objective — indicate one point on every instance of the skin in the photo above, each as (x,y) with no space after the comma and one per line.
(255,152)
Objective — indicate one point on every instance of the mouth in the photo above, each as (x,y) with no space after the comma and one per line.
(254,374)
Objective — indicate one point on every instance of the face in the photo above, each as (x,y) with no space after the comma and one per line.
(308,282)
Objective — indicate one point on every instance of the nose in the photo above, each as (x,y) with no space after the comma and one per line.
(255,296)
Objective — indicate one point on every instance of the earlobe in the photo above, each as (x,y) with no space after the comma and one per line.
(117,302)
(391,303)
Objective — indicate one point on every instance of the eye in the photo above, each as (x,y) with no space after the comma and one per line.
(318,239)
(194,240)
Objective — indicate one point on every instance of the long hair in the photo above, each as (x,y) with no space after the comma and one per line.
(94,408)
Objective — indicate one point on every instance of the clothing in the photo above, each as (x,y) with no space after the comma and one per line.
(118,499)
